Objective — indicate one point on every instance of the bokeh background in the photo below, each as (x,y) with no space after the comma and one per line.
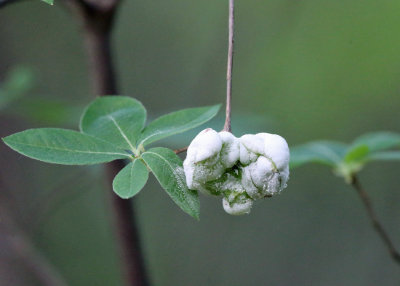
(303,69)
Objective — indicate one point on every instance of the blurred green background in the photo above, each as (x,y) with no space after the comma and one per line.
(303,69)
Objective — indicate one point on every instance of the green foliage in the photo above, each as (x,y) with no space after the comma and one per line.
(18,81)
(131,179)
(117,120)
(346,160)
(167,168)
(111,128)
(50,2)
(177,122)
(324,152)
(63,146)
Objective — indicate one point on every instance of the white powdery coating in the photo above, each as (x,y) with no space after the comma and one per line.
(275,148)
(237,208)
(257,176)
(208,156)
(230,149)
(241,169)
(205,145)
(269,172)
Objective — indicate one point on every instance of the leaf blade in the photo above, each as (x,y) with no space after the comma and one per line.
(131,179)
(357,154)
(328,153)
(167,168)
(378,141)
(385,156)
(63,146)
(177,122)
(115,119)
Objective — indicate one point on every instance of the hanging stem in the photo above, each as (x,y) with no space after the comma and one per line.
(227,125)
(374,220)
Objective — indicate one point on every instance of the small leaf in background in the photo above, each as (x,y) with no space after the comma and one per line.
(17,83)
(324,152)
(357,154)
(378,141)
(167,168)
(115,119)
(347,161)
(50,2)
(62,146)
(385,156)
(131,179)
(46,110)
(177,122)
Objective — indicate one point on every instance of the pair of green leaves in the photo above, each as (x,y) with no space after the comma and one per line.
(113,127)
(346,160)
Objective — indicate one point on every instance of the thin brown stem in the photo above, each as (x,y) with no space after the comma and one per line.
(97,20)
(227,125)
(374,220)
(181,150)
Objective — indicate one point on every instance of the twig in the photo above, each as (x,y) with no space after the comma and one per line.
(181,150)
(374,220)
(227,125)
(97,20)
(4,3)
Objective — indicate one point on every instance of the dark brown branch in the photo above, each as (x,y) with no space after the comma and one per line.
(4,3)
(227,125)
(97,20)
(374,220)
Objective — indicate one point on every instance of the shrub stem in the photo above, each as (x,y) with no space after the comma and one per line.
(97,21)
(374,220)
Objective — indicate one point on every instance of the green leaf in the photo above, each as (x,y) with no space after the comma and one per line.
(324,152)
(167,168)
(357,154)
(115,119)
(131,179)
(50,2)
(385,156)
(177,122)
(62,146)
(18,82)
(377,141)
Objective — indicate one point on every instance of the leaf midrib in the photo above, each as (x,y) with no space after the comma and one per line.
(158,155)
(66,149)
(122,133)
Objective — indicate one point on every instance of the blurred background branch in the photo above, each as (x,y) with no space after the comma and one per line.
(97,19)
(374,219)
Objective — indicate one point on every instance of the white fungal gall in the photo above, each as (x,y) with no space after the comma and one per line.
(243,206)
(276,148)
(267,159)
(203,161)
(230,149)
(241,169)
(205,145)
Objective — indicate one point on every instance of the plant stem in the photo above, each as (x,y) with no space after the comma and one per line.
(181,150)
(227,125)
(374,220)
(97,24)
